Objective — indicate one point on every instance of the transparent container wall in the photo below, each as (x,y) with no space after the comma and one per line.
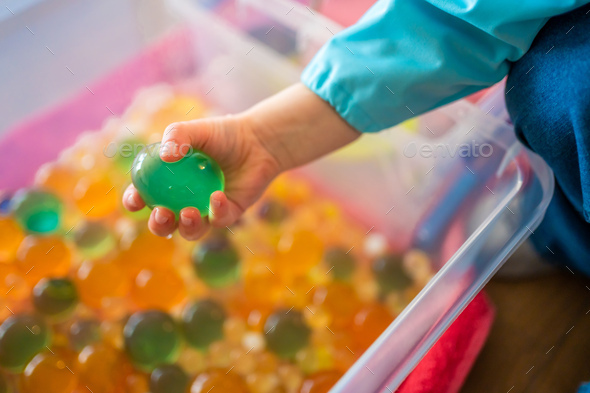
(266,42)
(235,70)
(467,208)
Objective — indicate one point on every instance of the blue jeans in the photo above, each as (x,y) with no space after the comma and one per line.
(548,98)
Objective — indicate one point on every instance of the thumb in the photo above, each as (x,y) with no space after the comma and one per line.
(179,138)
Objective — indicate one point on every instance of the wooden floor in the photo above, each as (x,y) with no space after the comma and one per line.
(540,340)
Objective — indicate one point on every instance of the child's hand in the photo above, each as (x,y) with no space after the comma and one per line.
(247,165)
(289,129)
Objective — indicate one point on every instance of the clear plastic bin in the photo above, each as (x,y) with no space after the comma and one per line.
(417,184)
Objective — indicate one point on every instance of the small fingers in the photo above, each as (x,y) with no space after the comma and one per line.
(223,212)
(162,222)
(131,199)
(191,226)
(179,138)
(176,142)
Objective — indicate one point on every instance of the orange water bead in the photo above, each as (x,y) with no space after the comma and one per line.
(257,317)
(96,197)
(223,354)
(57,178)
(329,222)
(320,382)
(266,362)
(298,252)
(102,368)
(11,235)
(48,373)
(192,361)
(100,280)
(343,350)
(299,292)
(180,106)
(145,251)
(88,153)
(262,285)
(369,323)
(158,288)
(239,305)
(264,383)
(221,380)
(112,333)
(260,237)
(137,382)
(311,216)
(291,377)
(115,308)
(290,191)
(13,286)
(411,292)
(339,300)
(43,256)
(314,359)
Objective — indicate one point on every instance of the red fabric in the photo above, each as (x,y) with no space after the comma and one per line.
(446,365)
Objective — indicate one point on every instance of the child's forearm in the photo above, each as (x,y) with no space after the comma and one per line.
(296,126)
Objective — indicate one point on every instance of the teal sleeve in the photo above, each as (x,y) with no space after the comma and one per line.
(406,57)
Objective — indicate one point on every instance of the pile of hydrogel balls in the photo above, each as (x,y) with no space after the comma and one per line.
(282,302)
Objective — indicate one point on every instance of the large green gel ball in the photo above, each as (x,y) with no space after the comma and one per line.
(189,181)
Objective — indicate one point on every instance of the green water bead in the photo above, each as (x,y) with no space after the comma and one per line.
(83,332)
(189,181)
(37,211)
(216,261)
(151,338)
(341,263)
(93,240)
(202,323)
(169,378)
(21,338)
(286,333)
(55,297)
(390,274)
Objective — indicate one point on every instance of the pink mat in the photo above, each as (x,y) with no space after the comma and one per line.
(39,139)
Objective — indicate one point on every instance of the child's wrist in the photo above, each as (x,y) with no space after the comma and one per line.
(268,137)
(296,126)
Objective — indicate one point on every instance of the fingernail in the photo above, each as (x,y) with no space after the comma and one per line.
(216,202)
(186,220)
(160,217)
(131,201)
(168,149)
